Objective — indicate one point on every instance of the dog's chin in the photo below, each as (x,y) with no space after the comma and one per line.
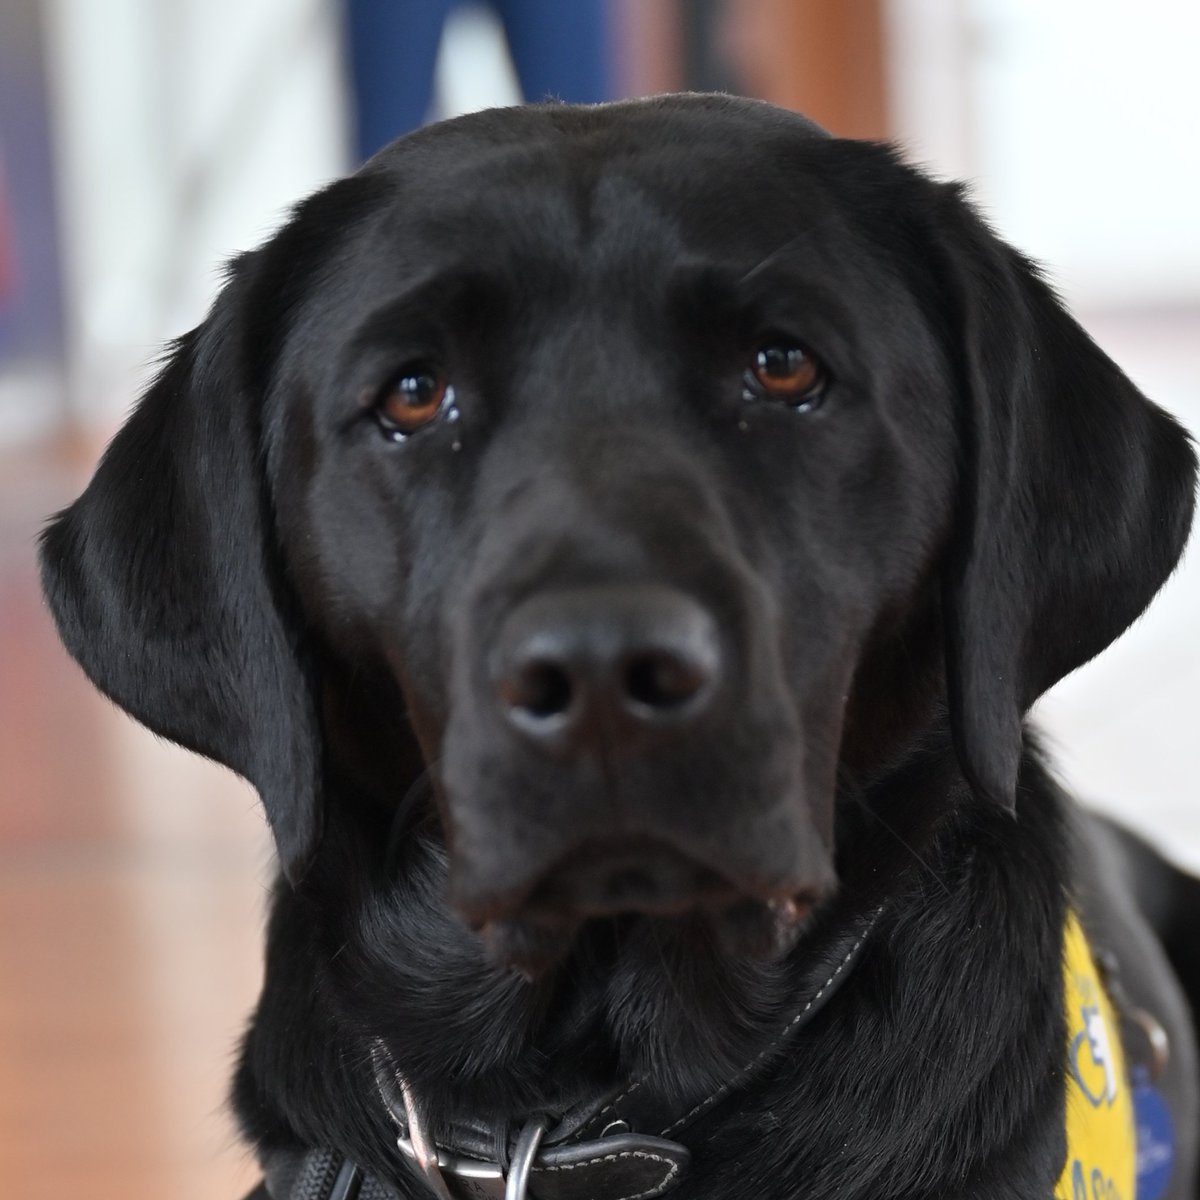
(534,945)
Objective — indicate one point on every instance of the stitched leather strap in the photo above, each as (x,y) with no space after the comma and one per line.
(617,1168)
(639,1111)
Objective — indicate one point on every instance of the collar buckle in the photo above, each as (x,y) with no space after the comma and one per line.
(454,1178)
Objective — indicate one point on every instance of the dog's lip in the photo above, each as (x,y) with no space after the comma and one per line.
(531,944)
(532,929)
(638,875)
(647,875)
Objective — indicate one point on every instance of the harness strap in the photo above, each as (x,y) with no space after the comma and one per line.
(316,1175)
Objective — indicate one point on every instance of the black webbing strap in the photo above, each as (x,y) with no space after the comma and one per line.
(316,1175)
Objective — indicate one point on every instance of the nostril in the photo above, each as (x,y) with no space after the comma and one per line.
(662,681)
(539,689)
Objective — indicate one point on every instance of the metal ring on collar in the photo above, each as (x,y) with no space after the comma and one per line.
(517,1183)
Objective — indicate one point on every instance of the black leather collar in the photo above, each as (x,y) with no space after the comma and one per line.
(619,1146)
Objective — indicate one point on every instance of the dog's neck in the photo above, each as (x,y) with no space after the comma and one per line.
(817,970)
(619,1144)
(481,1046)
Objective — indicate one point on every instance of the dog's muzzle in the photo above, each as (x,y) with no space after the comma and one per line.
(611,757)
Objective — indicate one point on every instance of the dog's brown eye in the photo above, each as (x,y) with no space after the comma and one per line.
(787,372)
(413,399)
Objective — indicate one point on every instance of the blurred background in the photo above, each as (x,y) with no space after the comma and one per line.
(144,141)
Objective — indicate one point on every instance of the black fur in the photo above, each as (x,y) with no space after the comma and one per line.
(980,504)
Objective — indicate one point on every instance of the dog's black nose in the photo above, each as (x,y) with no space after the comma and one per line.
(593,668)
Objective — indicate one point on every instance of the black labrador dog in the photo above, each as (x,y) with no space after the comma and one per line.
(621,545)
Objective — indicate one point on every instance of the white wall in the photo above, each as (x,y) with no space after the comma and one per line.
(184,129)
(1079,120)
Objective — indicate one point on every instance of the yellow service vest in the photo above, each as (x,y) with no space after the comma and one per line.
(1101,1135)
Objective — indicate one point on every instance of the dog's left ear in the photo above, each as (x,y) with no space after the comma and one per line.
(166,584)
(1074,501)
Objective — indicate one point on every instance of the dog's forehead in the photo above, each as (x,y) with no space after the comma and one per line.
(604,183)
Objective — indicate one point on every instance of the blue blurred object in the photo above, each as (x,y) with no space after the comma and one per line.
(561,50)
(30,300)
(1155,1138)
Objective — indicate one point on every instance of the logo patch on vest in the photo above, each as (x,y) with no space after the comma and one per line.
(1120,1141)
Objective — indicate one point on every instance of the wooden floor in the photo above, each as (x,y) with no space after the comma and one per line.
(131,896)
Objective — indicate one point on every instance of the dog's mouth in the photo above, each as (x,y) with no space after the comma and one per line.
(532,929)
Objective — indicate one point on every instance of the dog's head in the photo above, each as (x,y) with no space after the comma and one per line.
(634,471)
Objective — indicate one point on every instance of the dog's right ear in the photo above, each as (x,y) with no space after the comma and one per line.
(1075,494)
(166,584)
